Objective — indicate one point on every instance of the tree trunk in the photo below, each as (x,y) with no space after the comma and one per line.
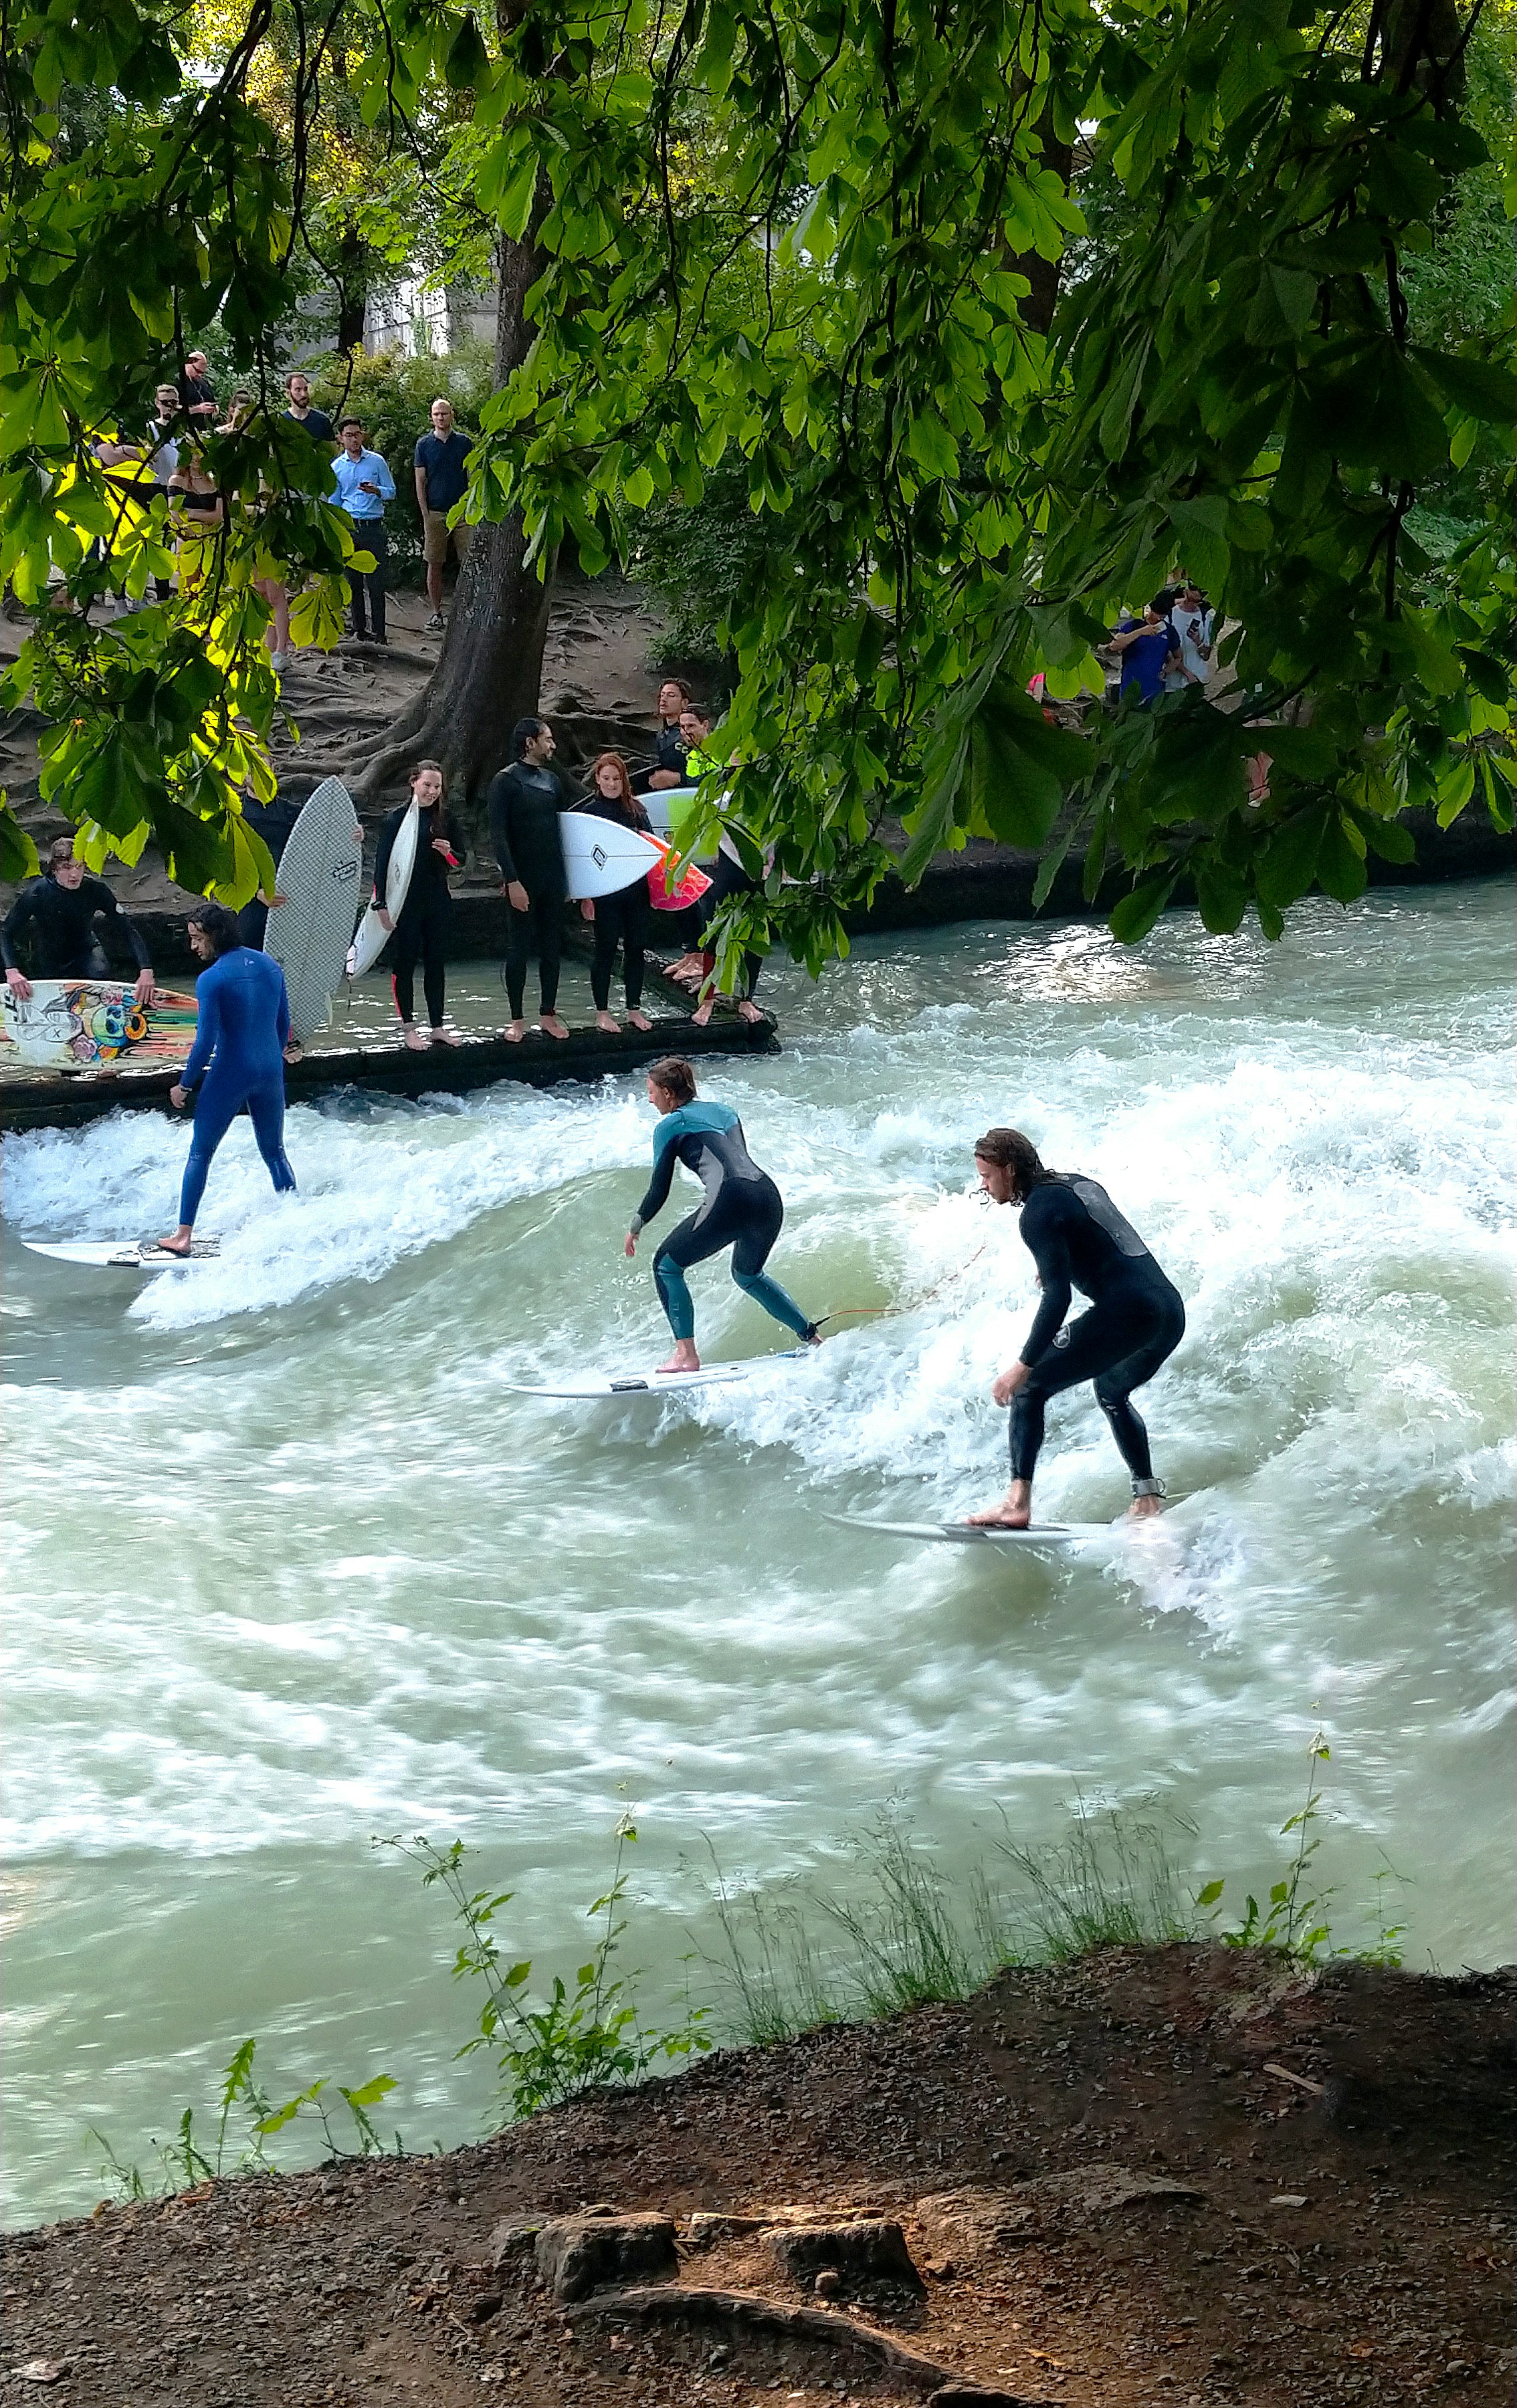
(490,671)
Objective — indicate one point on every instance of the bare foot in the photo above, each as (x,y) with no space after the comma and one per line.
(640,1019)
(604,1022)
(446,1036)
(1143,1507)
(1004,1517)
(748,1009)
(686,967)
(179,1243)
(515,1031)
(415,1042)
(684,1358)
(701,1017)
(552,1026)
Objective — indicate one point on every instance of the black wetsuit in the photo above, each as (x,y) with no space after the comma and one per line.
(420,929)
(1078,1239)
(524,806)
(622,918)
(741,1208)
(63,920)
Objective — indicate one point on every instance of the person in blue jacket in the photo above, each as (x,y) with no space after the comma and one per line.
(741,1209)
(242,1030)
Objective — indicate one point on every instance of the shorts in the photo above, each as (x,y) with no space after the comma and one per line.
(438,536)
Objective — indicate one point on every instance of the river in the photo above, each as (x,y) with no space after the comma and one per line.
(290,1564)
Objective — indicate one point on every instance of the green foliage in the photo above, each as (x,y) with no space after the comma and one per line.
(245,2118)
(394,397)
(579,2036)
(1293,1920)
(700,558)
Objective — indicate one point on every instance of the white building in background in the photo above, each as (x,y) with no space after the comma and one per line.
(422,320)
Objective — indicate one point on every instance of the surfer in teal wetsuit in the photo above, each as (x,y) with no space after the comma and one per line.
(741,1208)
(1078,1239)
(242,1028)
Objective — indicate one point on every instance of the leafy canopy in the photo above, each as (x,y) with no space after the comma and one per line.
(814,240)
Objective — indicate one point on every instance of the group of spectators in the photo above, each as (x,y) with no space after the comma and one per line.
(166,460)
(1168,647)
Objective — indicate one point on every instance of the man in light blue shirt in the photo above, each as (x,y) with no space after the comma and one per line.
(362,484)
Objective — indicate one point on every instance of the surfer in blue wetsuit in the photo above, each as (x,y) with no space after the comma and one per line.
(242,1028)
(741,1209)
(1078,1239)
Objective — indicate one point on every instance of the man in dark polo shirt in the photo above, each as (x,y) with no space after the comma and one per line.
(441,482)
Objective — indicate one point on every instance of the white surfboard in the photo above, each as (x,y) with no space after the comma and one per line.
(603,856)
(120,1253)
(666,806)
(964,1534)
(373,936)
(583,1385)
(310,932)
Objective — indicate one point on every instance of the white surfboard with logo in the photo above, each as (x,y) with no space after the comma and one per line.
(310,932)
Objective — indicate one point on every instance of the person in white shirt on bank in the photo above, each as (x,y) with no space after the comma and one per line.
(1192,623)
(362,484)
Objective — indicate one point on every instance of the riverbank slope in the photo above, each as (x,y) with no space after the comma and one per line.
(1182,2174)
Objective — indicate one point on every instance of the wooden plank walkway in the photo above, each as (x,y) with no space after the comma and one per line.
(71,1099)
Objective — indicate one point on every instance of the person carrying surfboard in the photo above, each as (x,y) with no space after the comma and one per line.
(622,917)
(741,1208)
(525,801)
(242,1028)
(1078,1239)
(420,926)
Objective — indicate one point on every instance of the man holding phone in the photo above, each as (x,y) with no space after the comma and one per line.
(361,485)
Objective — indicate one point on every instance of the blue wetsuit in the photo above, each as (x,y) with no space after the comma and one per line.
(741,1209)
(243,1027)
(1077,1238)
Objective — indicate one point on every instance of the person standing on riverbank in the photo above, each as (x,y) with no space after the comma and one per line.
(420,926)
(623,918)
(60,908)
(742,1208)
(525,801)
(362,484)
(1077,1238)
(241,1030)
(1147,649)
(442,479)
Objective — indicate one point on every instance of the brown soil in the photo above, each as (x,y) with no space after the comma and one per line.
(1182,2175)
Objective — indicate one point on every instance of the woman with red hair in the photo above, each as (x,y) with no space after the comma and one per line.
(619,918)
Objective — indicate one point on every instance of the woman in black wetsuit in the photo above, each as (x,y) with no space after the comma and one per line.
(420,926)
(1078,1239)
(622,917)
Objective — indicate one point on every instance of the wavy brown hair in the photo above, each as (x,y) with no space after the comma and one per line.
(1016,1154)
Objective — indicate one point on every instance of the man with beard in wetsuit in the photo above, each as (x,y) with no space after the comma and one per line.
(242,1029)
(741,1208)
(61,907)
(525,801)
(1077,1238)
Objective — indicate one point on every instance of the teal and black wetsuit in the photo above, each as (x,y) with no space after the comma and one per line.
(741,1209)
(1078,1239)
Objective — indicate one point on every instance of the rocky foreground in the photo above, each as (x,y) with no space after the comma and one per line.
(1182,2175)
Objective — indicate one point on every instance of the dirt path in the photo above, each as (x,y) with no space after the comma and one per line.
(1177,2175)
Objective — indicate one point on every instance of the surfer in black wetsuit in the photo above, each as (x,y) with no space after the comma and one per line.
(741,1208)
(60,908)
(420,926)
(1078,1239)
(525,801)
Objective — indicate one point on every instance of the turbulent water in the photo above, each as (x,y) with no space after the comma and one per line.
(291,1563)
